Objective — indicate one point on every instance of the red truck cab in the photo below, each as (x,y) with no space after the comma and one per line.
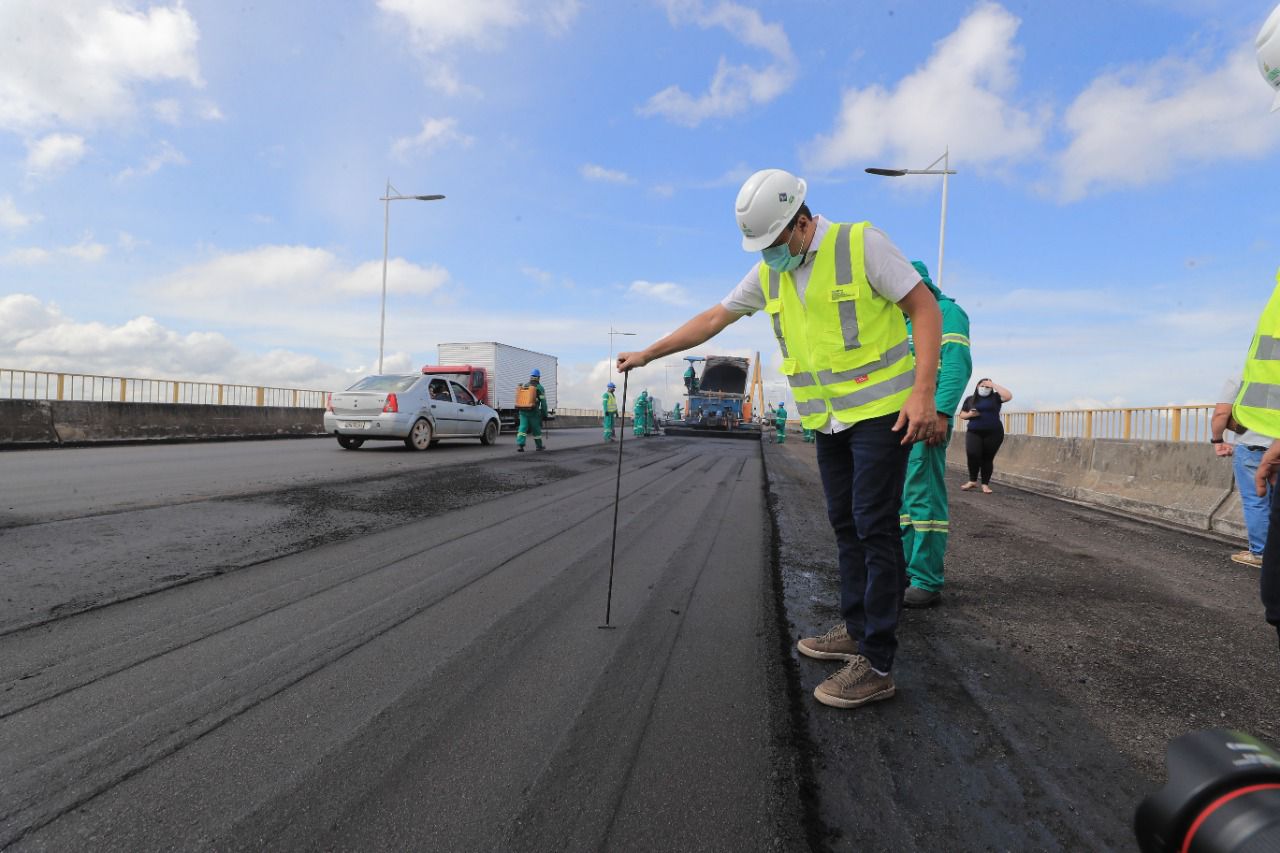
(474,379)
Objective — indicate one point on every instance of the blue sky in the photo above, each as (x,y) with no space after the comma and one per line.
(190,189)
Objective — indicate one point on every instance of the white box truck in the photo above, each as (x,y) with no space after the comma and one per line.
(506,367)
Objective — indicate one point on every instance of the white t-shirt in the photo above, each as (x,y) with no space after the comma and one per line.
(889,273)
(1230,389)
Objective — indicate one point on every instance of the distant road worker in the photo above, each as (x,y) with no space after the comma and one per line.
(675,415)
(780,421)
(531,418)
(807,436)
(640,425)
(926,520)
(691,379)
(835,294)
(610,411)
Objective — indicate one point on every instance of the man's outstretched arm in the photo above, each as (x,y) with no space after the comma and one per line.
(698,330)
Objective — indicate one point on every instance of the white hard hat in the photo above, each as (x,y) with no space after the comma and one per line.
(766,204)
(1268,45)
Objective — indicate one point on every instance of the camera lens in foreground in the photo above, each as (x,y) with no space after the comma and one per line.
(1223,796)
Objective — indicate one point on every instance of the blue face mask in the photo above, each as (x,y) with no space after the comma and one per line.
(780,259)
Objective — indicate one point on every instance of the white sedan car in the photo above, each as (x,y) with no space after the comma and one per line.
(417,408)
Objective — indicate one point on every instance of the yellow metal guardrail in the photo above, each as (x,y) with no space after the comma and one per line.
(1146,423)
(85,387)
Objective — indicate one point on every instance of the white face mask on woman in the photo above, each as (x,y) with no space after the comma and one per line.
(984,391)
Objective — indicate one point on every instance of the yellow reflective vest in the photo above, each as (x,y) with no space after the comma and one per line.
(844,348)
(610,403)
(1257,405)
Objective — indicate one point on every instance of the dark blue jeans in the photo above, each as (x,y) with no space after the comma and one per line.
(1271,568)
(863,469)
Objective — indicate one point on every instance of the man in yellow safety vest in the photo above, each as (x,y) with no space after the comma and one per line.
(1257,405)
(835,294)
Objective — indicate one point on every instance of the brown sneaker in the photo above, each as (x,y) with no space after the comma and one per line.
(836,644)
(1248,558)
(856,684)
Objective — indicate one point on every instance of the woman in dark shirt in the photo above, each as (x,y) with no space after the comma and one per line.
(985,432)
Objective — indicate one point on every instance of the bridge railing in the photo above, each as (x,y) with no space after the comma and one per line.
(1144,423)
(86,387)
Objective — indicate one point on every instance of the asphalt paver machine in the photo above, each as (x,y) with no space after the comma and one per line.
(717,402)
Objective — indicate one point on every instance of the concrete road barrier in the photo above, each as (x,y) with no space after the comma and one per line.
(52,422)
(1175,482)
(26,422)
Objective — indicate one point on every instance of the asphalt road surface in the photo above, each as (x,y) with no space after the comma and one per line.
(405,656)
(391,650)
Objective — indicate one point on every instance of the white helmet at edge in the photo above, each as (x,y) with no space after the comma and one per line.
(1268,45)
(766,203)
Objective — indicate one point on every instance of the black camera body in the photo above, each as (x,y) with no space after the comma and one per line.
(1223,796)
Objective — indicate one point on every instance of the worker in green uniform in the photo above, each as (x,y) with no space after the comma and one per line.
(675,415)
(531,419)
(808,437)
(691,379)
(610,411)
(780,421)
(641,421)
(925,520)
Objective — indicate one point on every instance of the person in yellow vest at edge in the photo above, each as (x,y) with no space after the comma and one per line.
(1257,405)
(610,411)
(835,294)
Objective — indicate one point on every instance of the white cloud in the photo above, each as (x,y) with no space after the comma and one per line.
(166,155)
(300,274)
(11,218)
(1143,124)
(435,133)
(168,110)
(664,291)
(39,336)
(958,97)
(86,250)
(733,88)
(53,154)
(26,257)
(437,26)
(592,172)
(80,62)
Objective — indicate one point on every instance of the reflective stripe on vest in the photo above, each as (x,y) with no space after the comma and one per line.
(844,347)
(1257,406)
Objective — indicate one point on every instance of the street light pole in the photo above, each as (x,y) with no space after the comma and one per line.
(946,171)
(386,236)
(612,332)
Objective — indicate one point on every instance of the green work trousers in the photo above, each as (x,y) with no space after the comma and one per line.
(608,426)
(530,424)
(782,433)
(925,520)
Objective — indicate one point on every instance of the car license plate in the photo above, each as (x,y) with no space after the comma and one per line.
(355,424)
